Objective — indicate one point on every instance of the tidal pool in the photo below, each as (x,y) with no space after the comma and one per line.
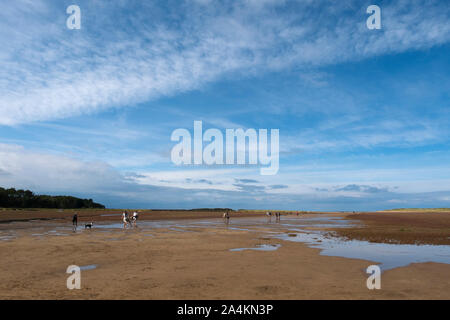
(386,255)
(88,267)
(260,247)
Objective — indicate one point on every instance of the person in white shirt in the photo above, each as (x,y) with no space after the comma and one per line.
(126,220)
(135,217)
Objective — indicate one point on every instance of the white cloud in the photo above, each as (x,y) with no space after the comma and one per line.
(302,187)
(358,132)
(40,171)
(49,73)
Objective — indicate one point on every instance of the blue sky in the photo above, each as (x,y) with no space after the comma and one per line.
(363,114)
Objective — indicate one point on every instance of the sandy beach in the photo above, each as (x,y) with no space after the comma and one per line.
(190,263)
(263,150)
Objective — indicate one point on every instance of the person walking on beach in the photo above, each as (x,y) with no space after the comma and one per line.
(135,217)
(226,217)
(75,221)
(126,220)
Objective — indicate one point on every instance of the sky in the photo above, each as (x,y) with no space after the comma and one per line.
(363,115)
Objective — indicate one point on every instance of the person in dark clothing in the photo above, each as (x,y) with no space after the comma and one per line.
(75,221)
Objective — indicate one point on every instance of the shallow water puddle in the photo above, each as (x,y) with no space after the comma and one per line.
(88,267)
(7,238)
(388,256)
(260,247)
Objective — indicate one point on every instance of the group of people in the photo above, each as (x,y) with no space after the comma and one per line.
(129,221)
(277,215)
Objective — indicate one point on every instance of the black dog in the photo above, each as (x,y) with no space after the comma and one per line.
(89,225)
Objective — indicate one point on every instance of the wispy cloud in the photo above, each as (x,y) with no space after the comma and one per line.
(361,188)
(366,133)
(49,72)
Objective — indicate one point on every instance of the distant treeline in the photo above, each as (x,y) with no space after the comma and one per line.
(12,198)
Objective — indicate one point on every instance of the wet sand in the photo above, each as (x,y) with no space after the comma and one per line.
(401,227)
(167,264)
(87,215)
